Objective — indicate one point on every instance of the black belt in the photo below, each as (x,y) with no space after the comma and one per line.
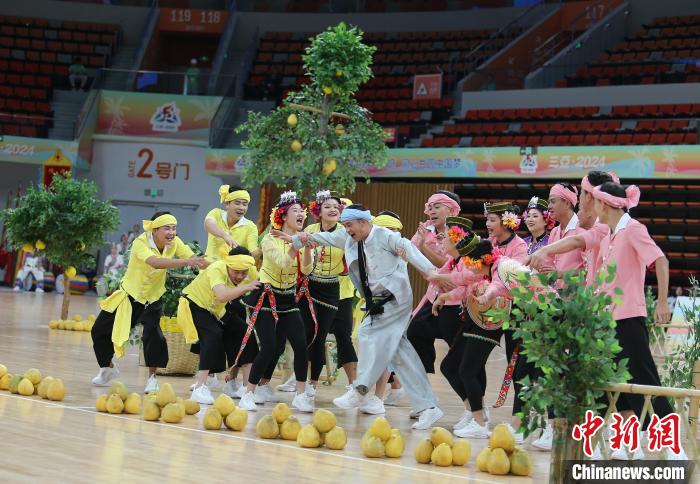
(377,304)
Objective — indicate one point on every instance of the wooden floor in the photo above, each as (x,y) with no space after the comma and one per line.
(69,441)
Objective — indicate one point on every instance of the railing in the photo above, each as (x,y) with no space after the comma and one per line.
(27,125)
(168,82)
(146,35)
(88,105)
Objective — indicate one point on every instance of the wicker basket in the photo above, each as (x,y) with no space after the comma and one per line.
(180,360)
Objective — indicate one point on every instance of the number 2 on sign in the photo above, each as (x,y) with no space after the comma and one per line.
(164,169)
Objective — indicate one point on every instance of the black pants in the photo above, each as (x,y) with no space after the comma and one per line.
(464,366)
(425,328)
(155,348)
(634,339)
(211,340)
(341,327)
(234,330)
(272,338)
(524,368)
(317,347)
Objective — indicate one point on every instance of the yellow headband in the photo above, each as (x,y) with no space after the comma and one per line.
(346,201)
(239,262)
(151,225)
(235,195)
(387,221)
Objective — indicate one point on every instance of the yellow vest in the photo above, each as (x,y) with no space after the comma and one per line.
(278,269)
(200,290)
(244,232)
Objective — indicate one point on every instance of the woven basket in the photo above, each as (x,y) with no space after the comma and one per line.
(180,360)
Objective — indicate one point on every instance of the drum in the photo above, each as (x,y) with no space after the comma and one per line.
(49,281)
(79,285)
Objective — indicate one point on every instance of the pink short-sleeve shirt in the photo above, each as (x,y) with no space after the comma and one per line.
(572,260)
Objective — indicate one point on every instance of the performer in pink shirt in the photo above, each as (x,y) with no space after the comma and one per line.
(428,237)
(562,205)
(425,327)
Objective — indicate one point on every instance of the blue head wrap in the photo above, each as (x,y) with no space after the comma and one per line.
(355,214)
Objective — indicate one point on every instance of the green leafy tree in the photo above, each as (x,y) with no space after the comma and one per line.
(320,136)
(681,366)
(569,335)
(64,221)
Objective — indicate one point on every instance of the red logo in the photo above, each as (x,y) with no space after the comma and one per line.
(586,431)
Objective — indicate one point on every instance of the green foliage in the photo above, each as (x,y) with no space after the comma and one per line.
(68,217)
(678,367)
(655,332)
(569,335)
(353,144)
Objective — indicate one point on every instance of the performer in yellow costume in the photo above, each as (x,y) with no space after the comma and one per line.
(138,299)
(203,308)
(229,228)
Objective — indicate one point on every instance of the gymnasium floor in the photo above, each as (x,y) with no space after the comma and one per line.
(68,441)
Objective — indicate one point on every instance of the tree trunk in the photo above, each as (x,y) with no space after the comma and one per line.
(66,297)
(564,448)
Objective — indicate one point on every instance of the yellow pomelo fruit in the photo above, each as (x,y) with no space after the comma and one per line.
(78,326)
(91,317)
(171,413)
(61,324)
(281,411)
(442,455)
(77,317)
(132,404)
(520,463)
(395,445)
(324,420)
(327,90)
(290,428)
(14,382)
(498,464)
(212,419)
(3,370)
(40,245)
(150,397)
(151,410)
(439,435)
(336,439)
(25,387)
(119,388)
(237,419)
(292,120)
(33,375)
(380,428)
(267,427)
(53,324)
(165,395)
(224,404)
(339,129)
(70,325)
(70,272)
(423,451)
(329,167)
(191,407)
(374,447)
(309,437)
(5,381)
(338,73)
(101,403)
(44,386)
(115,404)
(461,452)
(502,438)
(28,248)
(296,146)
(482,460)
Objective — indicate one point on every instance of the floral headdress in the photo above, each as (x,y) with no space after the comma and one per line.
(459,231)
(322,196)
(488,258)
(507,212)
(287,199)
(541,204)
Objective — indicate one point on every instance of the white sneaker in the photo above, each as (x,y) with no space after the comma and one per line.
(679,456)
(303,402)
(231,388)
(39,290)
(545,440)
(16,288)
(248,401)
(212,383)
(350,399)
(288,386)
(349,386)
(266,393)
(414,415)
(240,392)
(202,395)
(105,375)
(373,406)
(394,398)
(519,437)
(427,418)
(310,390)
(466,418)
(151,385)
(473,430)
(621,454)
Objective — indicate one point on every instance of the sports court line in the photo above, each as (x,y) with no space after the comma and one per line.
(228,434)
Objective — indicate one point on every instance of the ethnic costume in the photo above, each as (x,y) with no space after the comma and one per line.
(381,275)
(138,300)
(244,232)
(425,328)
(575,259)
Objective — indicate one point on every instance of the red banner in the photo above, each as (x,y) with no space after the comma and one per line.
(427,86)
